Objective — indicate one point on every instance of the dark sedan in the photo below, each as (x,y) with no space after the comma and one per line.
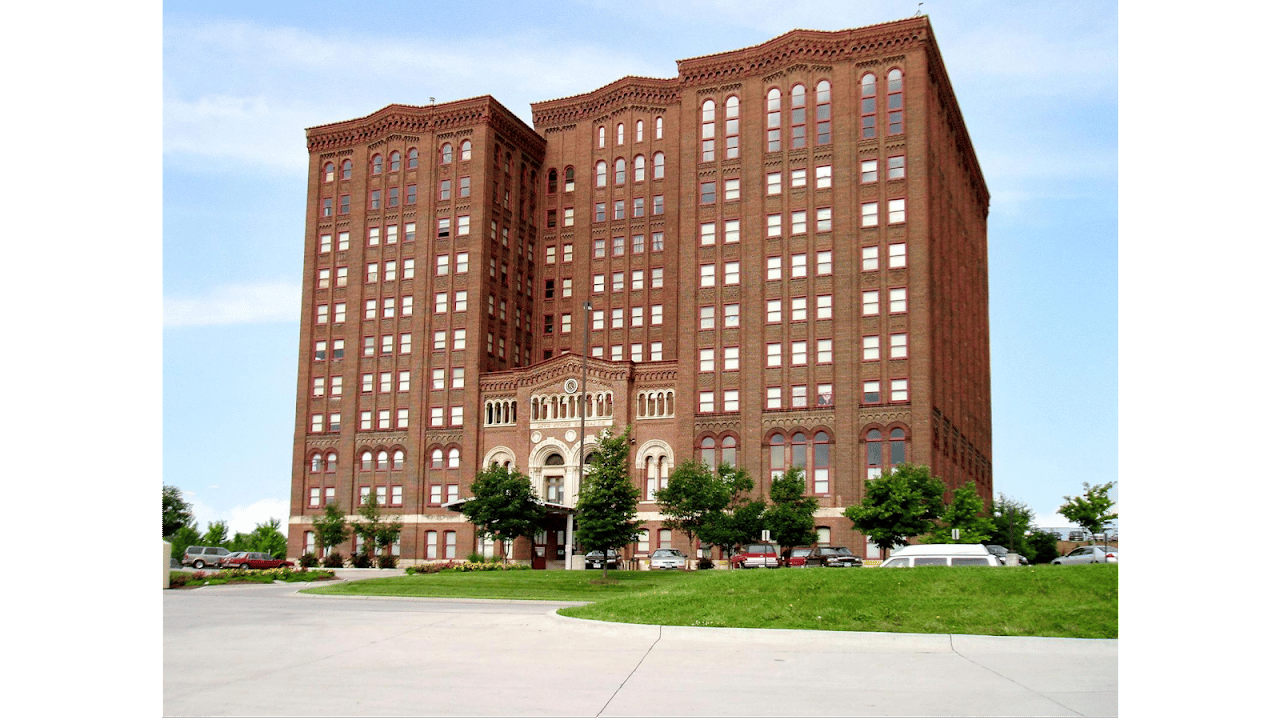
(832,557)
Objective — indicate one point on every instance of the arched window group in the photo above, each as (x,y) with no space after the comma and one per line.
(809,452)
(867,94)
(446,152)
(638,164)
(879,458)
(324,462)
(381,459)
(500,412)
(620,137)
(714,451)
(655,403)
(657,468)
(561,406)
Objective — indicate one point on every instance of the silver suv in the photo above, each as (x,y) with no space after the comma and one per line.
(198,556)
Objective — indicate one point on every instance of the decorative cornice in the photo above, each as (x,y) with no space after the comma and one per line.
(645,94)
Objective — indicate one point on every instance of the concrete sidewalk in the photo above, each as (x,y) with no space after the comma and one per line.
(268,651)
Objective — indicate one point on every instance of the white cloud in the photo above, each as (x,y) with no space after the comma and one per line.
(244,518)
(235,304)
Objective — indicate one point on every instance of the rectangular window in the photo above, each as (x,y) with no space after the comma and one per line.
(774,226)
(731,315)
(655,314)
(442,302)
(897,167)
(460,339)
(437,376)
(442,227)
(731,231)
(615,318)
(871,391)
(388,307)
(799,265)
(706,402)
(731,273)
(366,419)
(657,242)
(335,419)
(773,311)
(566,323)
(799,222)
(384,420)
(707,276)
(868,169)
(657,204)
(617,282)
(326,243)
(731,401)
(773,268)
(317,387)
(403,384)
(824,394)
(655,351)
(822,176)
(822,220)
(637,244)
(731,357)
(619,246)
(615,352)
(897,255)
(637,207)
(322,314)
(773,398)
(340,313)
(897,300)
(824,351)
(799,396)
(870,214)
(619,209)
(773,355)
(732,188)
(799,177)
(599,216)
(393,197)
(706,360)
(799,352)
(870,347)
(637,316)
(897,345)
(707,317)
(773,183)
(460,264)
(870,302)
(387,342)
(898,390)
(707,234)
(870,258)
(897,211)
(799,309)
(566,287)
(637,352)
(375,199)
(656,278)
(458,376)
(455,420)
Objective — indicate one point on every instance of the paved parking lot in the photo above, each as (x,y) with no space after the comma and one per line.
(265,650)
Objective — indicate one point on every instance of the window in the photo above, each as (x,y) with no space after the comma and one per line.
(655,281)
(867,108)
(824,351)
(773,355)
(732,189)
(822,176)
(797,117)
(897,345)
(655,314)
(897,255)
(773,311)
(870,302)
(870,258)
(657,205)
(822,219)
(708,130)
(600,172)
(707,193)
(403,384)
(731,231)
(773,268)
(656,242)
(637,279)
(707,317)
(615,318)
(799,177)
(823,117)
(773,398)
(346,169)
(461,263)
(377,164)
(442,227)
(637,207)
(637,316)
(731,273)
(774,226)
(897,167)
(730,401)
(897,300)
(413,158)
(824,394)
(326,243)
(659,165)
(897,211)
(707,234)
(731,315)
(706,402)
(869,171)
(637,244)
(619,209)
(799,222)
(638,164)
(898,390)
(799,309)
(464,225)
(870,214)
(340,313)
(706,360)
(731,357)
(870,347)
(617,282)
(322,314)
(799,396)
(773,183)
(466,150)
(707,276)
(455,420)
(799,352)
(799,265)
(600,136)
(619,171)
(871,391)
(894,105)
(824,262)
(344,205)
(460,339)
(446,154)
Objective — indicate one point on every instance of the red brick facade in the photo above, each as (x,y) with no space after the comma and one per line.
(760,238)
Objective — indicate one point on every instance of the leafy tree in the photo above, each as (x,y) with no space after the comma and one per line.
(606,513)
(176,512)
(899,505)
(696,497)
(215,534)
(1091,510)
(330,528)
(185,537)
(1042,546)
(967,514)
(789,518)
(504,506)
(267,538)
(738,525)
(372,530)
(1013,520)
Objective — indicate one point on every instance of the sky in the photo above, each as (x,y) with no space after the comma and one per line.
(1037,84)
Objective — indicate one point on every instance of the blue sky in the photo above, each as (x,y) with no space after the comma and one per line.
(1037,83)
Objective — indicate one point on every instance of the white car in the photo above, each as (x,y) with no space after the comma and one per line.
(948,554)
(667,559)
(1089,554)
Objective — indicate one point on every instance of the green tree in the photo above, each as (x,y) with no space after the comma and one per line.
(375,531)
(1090,511)
(606,512)
(215,534)
(696,497)
(1042,546)
(267,538)
(504,506)
(899,505)
(184,538)
(966,513)
(741,523)
(176,512)
(1013,520)
(330,528)
(789,518)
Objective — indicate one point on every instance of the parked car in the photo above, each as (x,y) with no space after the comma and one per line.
(756,555)
(199,556)
(1089,554)
(837,556)
(951,555)
(799,557)
(1075,536)
(253,561)
(667,559)
(596,560)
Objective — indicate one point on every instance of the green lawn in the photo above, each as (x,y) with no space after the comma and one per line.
(1051,601)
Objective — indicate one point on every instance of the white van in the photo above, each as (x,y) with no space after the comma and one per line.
(942,554)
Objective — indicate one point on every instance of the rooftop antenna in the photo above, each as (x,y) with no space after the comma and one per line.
(433,100)
(918,6)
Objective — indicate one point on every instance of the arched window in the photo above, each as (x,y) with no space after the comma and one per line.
(619,133)
(465,150)
(897,447)
(455,456)
(382,460)
(377,164)
(875,454)
(397,460)
(619,171)
(709,451)
(893,103)
(639,168)
(640,131)
(446,154)
(821,464)
(601,171)
(773,120)
(797,117)
(600,136)
(331,462)
(568,179)
(395,161)
(657,128)
(799,453)
(316,462)
(413,158)
(552,180)
(328,172)
(731,127)
(366,460)
(822,116)
(708,130)
(867,107)
(729,451)
(659,165)
(777,456)
(437,458)
(346,169)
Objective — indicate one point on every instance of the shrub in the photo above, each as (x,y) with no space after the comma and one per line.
(333,560)
(308,561)
(361,561)
(387,561)
(475,557)
(429,568)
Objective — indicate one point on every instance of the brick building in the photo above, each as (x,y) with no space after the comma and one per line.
(784,252)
